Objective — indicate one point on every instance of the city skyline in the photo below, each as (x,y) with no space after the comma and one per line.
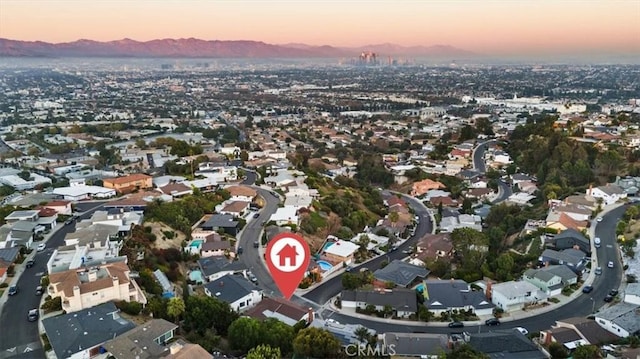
(486,27)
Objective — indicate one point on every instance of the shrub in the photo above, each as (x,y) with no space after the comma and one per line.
(131,308)
(52,304)
(4,285)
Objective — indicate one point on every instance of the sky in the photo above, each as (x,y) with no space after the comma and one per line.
(482,26)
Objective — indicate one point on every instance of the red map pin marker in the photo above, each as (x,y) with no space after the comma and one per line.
(287,258)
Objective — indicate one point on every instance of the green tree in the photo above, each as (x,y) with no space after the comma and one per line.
(504,264)
(277,334)
(245,333)
(204,312)
(264,352)
(362,334)
(175,308)
(316,343)
(557,351)
(586,352)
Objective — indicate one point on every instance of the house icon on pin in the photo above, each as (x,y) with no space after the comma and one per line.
(288,251)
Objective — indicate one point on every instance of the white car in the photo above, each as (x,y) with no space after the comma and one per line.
(522,330)
(610,264)
(599,219)
(41,247)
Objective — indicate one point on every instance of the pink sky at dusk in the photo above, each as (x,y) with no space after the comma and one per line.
(484,26)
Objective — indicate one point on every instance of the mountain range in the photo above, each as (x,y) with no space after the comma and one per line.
(197,48)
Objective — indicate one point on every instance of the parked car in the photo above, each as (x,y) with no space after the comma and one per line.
(13,290)
(599,219)
(252,277)
(610,264)
(33,315)
(613,292)
(39,290)
(608,298)
(256,215)
(598,270)
(492,322)
(597,242)
(522,330)
(240,250)
(587,289)
(30,263)
(256,244)
(456,325)
(41,247)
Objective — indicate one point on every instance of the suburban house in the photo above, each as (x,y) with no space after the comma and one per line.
(509,343)
(175,190)
(226,222)
(241,193)
(570,238)
(450,223)
(341,251)
(403,302)
(421,187)
(19,233)
(567,277)
(61,207)
(235,208)
(235,290)
(80,192)
(285,215)
(513,295)
(576,331)
(434,246)
(129,183)
(219,248)
(85,288)
(575,211)
(401,274)
(415,345)
(75,256)
(546,281)
(213,268)
(622,319)
(343,332)
(447,295)
(146,340)
(285,311)
(561,221)
(632,293)
(610,193)
(575,259)
(92,327)
(26,216)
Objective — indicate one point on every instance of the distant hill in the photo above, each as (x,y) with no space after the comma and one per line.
(197,48)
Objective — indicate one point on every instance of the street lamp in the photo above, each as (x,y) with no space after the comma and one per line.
(593,307)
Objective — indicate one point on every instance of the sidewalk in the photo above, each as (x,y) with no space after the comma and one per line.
(20,268)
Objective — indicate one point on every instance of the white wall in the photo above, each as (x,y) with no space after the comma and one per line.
(611,327)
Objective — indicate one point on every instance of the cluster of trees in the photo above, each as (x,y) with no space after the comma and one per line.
(181,215)
(352,281)
(173,168)
(179,148)
(372,171)
(561,164)
(223,135)
(246,333)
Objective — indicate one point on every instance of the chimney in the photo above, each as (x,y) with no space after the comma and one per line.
(590,189)
(451,281)
(310,315)
(546,264)
(221,284)
(93,275)
(488,292)
(76,291)
(116,281)
(175,348)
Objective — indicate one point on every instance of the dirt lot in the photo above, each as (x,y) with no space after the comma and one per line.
(162,242)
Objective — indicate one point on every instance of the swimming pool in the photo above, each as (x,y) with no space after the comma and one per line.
(196,276)
(420,288)
(324,265)
(327,245)
(196,244)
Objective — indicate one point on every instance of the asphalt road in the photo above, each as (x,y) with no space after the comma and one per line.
(252,232)
(480,166)
(580,307)
(20,338)
(332,287)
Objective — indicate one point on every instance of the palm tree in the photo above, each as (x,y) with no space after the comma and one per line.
(362,334)
(394,217)
(175,308)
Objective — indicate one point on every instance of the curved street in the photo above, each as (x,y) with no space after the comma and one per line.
(504,190)
(23,340)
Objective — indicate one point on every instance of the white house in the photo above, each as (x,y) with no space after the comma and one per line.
(632,293)
(78,193)
(609,193)
(622,319)
(341,251)
(402,301)
(235,290)
(285,215)
(514,295)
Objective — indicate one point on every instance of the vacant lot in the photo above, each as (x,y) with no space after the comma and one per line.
(163,234)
